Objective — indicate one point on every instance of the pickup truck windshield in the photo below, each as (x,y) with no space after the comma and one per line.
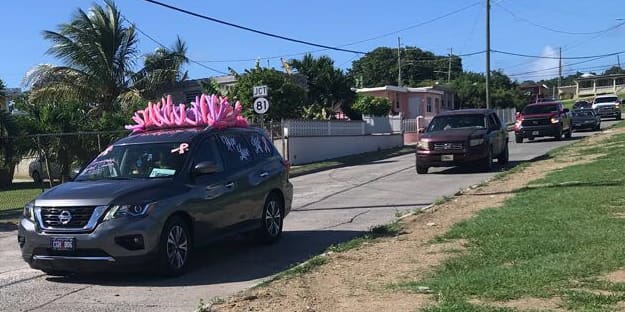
(441,123)
(131,161)
(540,109)
(606,99)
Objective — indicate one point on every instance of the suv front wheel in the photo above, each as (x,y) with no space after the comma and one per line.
(175,247)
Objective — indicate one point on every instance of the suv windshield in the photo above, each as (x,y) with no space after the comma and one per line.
(143,161)
(583,113)
(582,105)
(441,123)
(609,99)
(540,109)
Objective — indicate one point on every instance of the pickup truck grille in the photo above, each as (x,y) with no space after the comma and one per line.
(536,122)
(66,217)
(446,146)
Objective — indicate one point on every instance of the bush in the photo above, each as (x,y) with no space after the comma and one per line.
(373,106)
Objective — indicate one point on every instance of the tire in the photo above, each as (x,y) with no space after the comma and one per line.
(569,134)
(618,117)
(56,273)
(518,139)
(504,157)
(175,247)
(36,177)
(422,170)
(272,220)
(487,163)
(597,128)
(558,135)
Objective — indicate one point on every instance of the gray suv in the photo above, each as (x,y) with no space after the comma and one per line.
(153,197)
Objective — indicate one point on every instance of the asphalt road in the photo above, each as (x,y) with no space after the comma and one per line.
(329,207)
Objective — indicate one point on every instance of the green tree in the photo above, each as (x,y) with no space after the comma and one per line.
(329,88)
(162,71)
(210,86)
(286,97)
(98,51)
(379,67)
(470,89)
(372,106)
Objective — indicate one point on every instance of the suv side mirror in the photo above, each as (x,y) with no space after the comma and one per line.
(421,130)
(205,167)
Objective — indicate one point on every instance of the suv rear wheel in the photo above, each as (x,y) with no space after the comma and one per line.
(487,163)
(518,139)
(503,158)
(270,230)
(175,247)
(558,135)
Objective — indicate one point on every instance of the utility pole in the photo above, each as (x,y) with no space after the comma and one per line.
(618,60)
(451,52)
(487,54)
(559,70)
(398,62)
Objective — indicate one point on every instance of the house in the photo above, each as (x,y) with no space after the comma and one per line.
(189,89)
(534,91)
(413,102)
(591,85)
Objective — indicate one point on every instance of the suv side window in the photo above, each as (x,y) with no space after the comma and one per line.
(234,150)
(490,123)
(261,146)
(208,152)
(496,121)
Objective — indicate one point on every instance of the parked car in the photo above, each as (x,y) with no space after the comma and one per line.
(154,197)
(607,106)
(582,105)
(586,119)
(462,137)
(541,120)
(37,170)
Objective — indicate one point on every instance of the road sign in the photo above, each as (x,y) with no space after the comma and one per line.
(261,105)
(260,91)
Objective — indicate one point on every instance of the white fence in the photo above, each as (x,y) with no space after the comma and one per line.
(506,115)
(370,125)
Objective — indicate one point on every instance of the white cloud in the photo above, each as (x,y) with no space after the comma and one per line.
(546,68)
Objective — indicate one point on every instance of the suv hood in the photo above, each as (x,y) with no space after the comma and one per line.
(606,104)
(536,116)
(452,135)
(106,192)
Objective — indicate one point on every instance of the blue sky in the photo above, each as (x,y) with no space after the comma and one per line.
(337,23)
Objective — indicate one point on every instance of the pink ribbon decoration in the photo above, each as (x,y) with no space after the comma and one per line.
(184,147)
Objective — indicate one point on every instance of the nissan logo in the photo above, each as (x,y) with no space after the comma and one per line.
(65,217)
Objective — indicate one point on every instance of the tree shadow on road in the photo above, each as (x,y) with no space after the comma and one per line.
(238,259)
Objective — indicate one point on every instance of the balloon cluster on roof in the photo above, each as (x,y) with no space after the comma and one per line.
(207,110)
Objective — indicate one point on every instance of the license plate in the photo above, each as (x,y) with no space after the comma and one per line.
(63,243)
(447,157)
(535,133)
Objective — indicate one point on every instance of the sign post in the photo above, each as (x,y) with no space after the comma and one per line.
(261,104)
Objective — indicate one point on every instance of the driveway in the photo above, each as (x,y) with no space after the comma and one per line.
(329,207)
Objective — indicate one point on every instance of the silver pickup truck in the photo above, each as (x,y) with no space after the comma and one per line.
(607,106)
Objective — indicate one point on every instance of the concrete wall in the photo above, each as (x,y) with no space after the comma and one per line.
(304,150)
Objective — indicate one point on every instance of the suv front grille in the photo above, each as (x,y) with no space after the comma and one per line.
(66,217)
(446,146)
(536,122)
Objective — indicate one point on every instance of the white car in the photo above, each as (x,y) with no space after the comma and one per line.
(37,170)
(608,105)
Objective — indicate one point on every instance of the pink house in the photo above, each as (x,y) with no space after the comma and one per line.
(413,102)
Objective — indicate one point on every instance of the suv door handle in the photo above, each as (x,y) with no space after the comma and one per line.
(264,174)
(229,185)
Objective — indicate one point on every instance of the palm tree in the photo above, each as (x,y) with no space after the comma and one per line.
(98,52)
(162,71)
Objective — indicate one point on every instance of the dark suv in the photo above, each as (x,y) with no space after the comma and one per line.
(541,120)
(152,197)
(461,137)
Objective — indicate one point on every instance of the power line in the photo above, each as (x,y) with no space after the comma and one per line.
(268,34)
(552,29)
(165,47)
(552,68)
(556,57)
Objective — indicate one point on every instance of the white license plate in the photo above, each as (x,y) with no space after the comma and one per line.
(447,157)
(535,133)
(63,243)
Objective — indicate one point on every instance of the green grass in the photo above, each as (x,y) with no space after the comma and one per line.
(351,160)
(388,230)
(13,199)
(560,230)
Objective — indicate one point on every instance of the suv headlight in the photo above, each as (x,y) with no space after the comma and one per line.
(555,120)
(423,145)
(118,211)
(476,142)
(29,211)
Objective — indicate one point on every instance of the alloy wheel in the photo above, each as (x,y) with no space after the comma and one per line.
(177,247)
(273,218)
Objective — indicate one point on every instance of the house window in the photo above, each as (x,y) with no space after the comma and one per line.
(429,105)
(436,103)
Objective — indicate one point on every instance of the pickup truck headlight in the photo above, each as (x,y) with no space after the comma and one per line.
(423,145)
(135,210)
(29,211)
(555,120)
(476,142)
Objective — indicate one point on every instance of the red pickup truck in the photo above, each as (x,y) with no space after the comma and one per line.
(541,120)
